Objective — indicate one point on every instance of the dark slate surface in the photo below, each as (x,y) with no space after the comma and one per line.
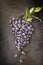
(34,56)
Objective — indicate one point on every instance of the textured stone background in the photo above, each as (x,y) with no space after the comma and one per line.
(8,10)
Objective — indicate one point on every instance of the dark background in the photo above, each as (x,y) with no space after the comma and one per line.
(8,10)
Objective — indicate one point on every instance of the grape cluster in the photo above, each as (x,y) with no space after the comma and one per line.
(23,31)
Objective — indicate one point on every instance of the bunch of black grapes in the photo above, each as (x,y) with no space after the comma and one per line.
(23,31)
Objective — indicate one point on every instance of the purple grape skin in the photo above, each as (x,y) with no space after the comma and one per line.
(22,30)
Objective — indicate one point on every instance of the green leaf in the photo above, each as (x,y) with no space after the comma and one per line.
(37,9)
(25,17)
(31,10)
(27,12)
(29,19)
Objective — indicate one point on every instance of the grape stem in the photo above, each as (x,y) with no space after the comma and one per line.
(36,18)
